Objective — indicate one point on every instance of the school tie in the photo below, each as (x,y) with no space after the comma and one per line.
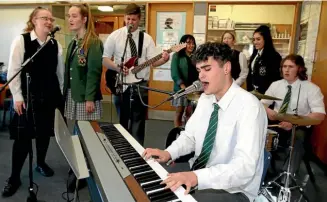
(286,101)
(209,140)
(133,48)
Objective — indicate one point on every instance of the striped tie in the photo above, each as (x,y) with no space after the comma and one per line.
(286,101)
(133,48)
(209,140)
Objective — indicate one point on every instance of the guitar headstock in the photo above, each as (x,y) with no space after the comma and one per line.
(178,47)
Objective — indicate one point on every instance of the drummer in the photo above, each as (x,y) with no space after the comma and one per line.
(295,85)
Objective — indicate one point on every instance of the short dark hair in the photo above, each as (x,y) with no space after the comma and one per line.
(221,52)
(133,9)
(298,61)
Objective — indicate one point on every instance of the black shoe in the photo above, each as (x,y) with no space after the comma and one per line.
(11,187)
(44,170)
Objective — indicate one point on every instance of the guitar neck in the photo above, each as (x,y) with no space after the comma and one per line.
(138,68)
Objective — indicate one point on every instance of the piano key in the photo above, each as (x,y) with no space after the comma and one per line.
(155,191)
(143,173)
(147,178)
(118,141)
(161,194)
(167,198)
(139,166)
(145,184)
(134,159)
(154,187)
(130,156)
(175,200)
(148,175)
(127,149)
(141,170)
(134,163)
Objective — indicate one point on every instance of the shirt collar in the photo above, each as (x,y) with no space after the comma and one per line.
(33,35)
(227,98)
(260,52)
(134,34)
(294,85)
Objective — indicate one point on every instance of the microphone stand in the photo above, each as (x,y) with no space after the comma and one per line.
(32,196)
(120,75)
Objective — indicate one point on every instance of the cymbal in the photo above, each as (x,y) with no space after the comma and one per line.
(261,96)
(297,120)
(193,97)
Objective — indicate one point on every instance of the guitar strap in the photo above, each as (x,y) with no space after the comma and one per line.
(140,48)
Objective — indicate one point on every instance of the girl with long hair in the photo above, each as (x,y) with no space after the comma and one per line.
(240,69)
(83,68)
(45,94)
(264,61)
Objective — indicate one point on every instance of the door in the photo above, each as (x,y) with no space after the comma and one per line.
(319,77)
(106,25)
(155,98)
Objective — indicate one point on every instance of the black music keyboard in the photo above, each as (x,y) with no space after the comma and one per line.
(139,179)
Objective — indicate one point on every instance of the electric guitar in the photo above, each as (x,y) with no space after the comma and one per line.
(112,77)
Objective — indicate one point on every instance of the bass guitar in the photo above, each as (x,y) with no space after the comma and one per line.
(113,79)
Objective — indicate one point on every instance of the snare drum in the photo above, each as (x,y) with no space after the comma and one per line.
(271,140)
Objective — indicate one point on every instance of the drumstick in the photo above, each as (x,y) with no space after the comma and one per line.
(275,125)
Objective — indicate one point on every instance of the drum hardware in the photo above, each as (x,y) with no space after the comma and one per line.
(193,97)
(285,191)
(274,125)
(262,96)
(272,140)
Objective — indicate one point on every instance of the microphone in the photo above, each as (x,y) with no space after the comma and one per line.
(54,30)
(130,27)
(196,86)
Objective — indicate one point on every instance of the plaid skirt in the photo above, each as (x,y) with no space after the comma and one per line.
(77,110)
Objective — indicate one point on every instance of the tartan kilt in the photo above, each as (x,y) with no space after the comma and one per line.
(77,110)
(40,122)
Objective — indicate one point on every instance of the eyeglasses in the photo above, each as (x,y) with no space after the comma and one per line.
(46,18)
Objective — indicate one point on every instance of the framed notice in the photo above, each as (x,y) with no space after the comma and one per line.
(170,28)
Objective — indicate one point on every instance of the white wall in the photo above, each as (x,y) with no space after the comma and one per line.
(12,22)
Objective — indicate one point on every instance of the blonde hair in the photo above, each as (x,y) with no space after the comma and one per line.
(90,35)
(29,24)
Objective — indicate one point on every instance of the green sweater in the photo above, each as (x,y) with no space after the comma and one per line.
(83,74)
(179,70)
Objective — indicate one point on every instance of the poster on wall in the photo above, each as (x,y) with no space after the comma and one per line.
(170,28)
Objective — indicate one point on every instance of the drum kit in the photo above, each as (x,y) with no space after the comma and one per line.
(284,194)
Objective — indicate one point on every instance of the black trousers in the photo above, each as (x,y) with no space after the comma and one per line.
(133,112)
(20,151)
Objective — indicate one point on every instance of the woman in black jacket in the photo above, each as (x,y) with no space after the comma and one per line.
(264,62)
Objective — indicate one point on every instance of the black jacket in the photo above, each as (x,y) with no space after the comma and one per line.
(265,71)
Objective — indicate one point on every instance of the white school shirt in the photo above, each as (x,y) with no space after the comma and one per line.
(115,44)
(236,161)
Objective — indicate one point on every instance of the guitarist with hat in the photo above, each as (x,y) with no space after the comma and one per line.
(141,47)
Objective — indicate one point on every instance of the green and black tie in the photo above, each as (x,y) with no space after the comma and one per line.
(286,101)
(209,140)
